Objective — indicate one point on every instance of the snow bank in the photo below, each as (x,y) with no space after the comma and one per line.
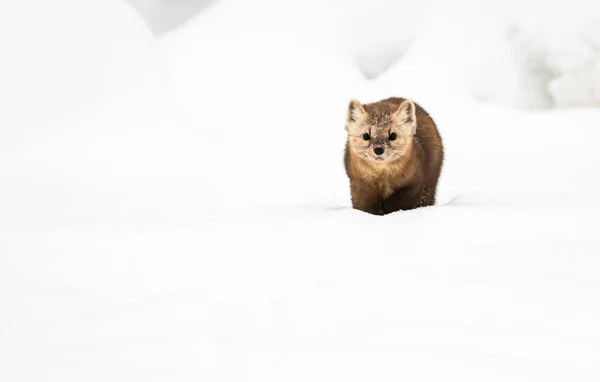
(570,42)
(246,87)
(532,54)
(165,15)
(88,114)
(376,34)
(218,245)
(506,54)
(65,60)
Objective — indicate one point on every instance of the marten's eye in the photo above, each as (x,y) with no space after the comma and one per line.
(392,137)
(366,136)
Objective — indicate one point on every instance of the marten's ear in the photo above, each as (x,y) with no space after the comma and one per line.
(406,117)
(406,112)
(355,111)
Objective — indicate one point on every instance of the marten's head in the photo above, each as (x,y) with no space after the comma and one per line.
(380,132)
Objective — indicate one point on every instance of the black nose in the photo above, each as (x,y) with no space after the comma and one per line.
(378,150)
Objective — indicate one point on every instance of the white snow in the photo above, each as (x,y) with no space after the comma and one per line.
(165,15)
(376,34)
(189,219)
(60,64)
(532,53)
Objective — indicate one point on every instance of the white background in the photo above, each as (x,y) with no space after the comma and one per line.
(173,204)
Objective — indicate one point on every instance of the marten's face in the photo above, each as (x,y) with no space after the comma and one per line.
(380,136)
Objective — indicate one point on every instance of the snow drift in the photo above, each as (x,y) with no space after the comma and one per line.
(165,15)
(194,222)
(529,54)
(62,63)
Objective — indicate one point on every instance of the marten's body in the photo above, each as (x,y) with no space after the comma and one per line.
(394,156)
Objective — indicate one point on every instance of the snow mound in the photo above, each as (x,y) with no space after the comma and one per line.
(197,226)
(515,57)
(91,116)
(376,34)
(66,59)
(165,15)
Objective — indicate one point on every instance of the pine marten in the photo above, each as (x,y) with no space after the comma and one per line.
(393,156)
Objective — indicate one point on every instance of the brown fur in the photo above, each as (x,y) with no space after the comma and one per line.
(406,175)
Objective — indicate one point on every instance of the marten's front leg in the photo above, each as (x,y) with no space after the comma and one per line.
(406,198)
(364,198)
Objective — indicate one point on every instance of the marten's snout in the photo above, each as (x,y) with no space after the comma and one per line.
(378,150)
